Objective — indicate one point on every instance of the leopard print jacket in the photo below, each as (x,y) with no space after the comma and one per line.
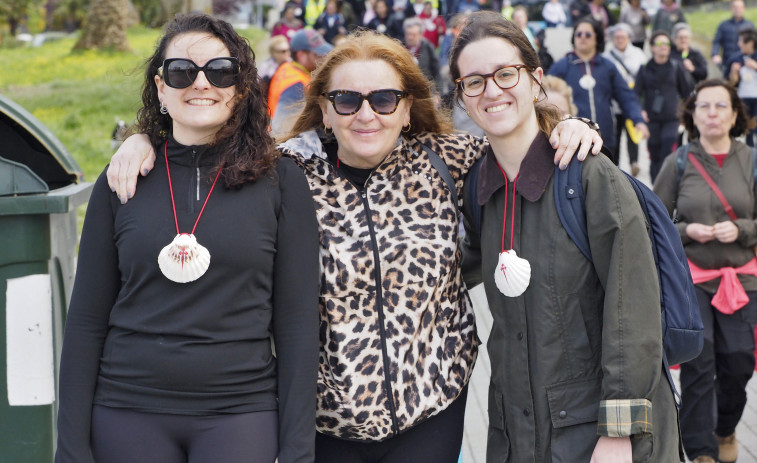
(397,331)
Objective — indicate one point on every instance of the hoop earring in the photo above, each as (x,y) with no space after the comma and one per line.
(328,131)
(406,129)
(163,109)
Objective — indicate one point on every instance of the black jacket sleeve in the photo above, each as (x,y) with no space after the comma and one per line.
(95,290)
(295,315)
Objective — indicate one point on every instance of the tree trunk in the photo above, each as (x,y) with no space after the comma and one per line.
(105,26)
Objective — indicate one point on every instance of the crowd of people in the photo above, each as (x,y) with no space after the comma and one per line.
(333,323)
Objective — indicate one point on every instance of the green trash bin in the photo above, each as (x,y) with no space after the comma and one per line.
(41,187)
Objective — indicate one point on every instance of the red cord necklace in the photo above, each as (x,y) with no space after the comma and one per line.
(184,259)
(512,274)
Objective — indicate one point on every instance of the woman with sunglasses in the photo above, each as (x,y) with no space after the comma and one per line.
(397,331)
(182,294)
(575,347)
(596,82)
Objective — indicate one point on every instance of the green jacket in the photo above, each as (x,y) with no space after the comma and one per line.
(579,354)
(695,202)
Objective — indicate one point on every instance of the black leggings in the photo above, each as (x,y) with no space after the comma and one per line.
(126,436)
(438,440)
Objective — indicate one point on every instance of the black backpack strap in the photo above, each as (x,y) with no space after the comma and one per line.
(443,170)
(681,159)
(571,205)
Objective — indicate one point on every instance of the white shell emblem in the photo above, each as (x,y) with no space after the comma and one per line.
(587,82)
(184,260)
(512,274)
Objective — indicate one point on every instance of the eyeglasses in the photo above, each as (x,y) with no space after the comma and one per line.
(348,102)
(719,106)
(181,72)
(586,34)
(504,77)
(661,43)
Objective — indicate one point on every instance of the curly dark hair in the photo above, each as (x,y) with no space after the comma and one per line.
(485,24)
(744,122)
(246,150)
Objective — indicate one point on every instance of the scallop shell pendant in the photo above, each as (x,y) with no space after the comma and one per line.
(587,82)
(184,260)
(512,274)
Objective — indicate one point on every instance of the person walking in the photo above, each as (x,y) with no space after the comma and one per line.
(596,81)
(725,41)
(661,84)
(628,59)
(720,248)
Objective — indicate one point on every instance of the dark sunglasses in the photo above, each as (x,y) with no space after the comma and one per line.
(182,72)
(347,102)
(586,34)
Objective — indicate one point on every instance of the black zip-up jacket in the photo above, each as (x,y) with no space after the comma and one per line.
(661,86)
(138,341)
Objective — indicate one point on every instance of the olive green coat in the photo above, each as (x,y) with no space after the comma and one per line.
(579,354)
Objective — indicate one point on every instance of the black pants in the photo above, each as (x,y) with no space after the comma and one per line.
(751,106)
(662,138)
(126,436)
(437,440)
(713,385)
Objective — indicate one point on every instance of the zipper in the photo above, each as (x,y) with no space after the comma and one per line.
(380,307)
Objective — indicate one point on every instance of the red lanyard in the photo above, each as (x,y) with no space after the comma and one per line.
(504,218)
(173,203)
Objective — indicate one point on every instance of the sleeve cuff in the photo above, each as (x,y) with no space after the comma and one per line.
(624,417)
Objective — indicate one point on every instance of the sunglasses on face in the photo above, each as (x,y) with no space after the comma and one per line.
(505,77)
(348,102)
(181,72)
(584,34)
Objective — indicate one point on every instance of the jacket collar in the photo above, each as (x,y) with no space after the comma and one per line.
(310,148)
(535,171)
(187,155)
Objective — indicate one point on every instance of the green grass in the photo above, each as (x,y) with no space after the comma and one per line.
(79,95)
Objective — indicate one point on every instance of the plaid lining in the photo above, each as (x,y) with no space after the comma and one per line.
(625,417)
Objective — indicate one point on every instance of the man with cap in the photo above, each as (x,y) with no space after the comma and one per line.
(287,89)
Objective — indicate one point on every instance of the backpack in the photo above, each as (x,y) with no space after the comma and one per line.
(682,328)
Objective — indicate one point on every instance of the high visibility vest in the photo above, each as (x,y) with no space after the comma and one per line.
(288,74)
(313,9)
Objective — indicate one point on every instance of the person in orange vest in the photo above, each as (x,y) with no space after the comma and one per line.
(287,88)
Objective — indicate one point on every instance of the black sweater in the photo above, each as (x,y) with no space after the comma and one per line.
(660,87)
(136,340)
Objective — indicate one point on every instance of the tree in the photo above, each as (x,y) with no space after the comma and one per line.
(15,12)
(105,26)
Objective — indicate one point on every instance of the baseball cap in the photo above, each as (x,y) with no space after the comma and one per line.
(309,40)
